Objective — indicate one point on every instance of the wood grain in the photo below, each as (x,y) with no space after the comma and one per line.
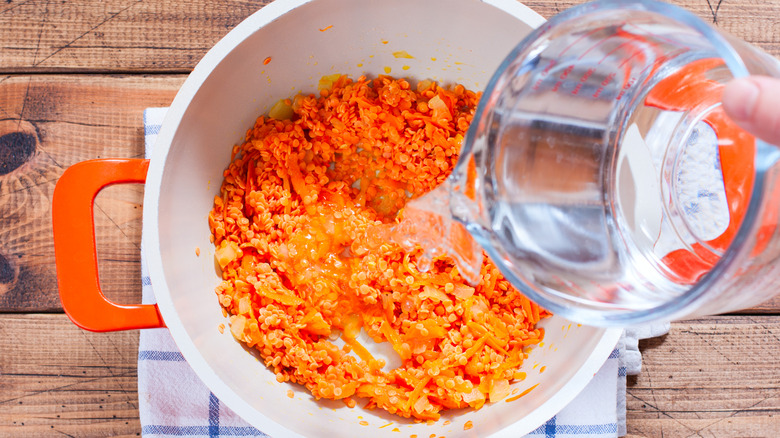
(710,377)
(171,36)
(75,77)
(716,376)
(56,379)
(114,35)
(755,21)
(70,119)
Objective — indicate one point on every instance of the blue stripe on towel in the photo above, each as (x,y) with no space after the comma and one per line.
(552,430)
(163,356)
(213,416)
(156,429)
(151,129)
(587,429)
(549,428)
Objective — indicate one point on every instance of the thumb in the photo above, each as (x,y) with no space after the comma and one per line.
(754,104)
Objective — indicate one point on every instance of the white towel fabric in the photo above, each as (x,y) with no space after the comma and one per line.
(173,402)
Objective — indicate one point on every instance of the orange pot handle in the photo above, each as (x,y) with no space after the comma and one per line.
(75,251)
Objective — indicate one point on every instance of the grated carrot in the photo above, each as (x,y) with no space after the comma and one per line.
(301,194)
(359,349)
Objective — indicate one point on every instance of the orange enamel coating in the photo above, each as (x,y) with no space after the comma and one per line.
(75,251)
(683,91)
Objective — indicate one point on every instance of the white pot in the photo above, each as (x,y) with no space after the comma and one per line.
(459,41)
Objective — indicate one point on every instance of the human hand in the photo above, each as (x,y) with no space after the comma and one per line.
(754,104)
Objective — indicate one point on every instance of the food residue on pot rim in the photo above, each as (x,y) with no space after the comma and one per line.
(267,60)
(511,399)
(402,54)
(326,28)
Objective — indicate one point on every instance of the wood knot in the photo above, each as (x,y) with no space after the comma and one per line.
(7,271)
(9,275)
(18,142)
(16,148)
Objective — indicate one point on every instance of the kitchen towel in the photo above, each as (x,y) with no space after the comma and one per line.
(173,402)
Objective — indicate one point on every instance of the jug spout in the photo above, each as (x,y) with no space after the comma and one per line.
(429,224)
(463,202)
(466,184)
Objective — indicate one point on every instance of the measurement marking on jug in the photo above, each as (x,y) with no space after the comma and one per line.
(598,43)
(578,40)
(544,74)
(615,50)
(639,51)
(652,34)
(604,83)
(562,77)
(583,79)
(626,86)
(633,80)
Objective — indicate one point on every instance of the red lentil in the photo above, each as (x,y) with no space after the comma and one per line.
(296,196)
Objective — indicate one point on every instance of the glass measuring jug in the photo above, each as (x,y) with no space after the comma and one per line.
(603,178)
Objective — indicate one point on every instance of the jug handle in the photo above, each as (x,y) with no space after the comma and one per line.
(75,251)
(737,154)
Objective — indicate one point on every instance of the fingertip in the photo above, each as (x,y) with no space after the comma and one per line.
(740,97)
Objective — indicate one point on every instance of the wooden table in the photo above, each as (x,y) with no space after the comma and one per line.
(75,77)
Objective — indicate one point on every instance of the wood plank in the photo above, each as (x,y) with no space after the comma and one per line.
(74,383)
(169,36)
(715,376)
(114,35)
(50,123)
(755,21)
(753,427)
(66,119)
(118,224)
(712,377)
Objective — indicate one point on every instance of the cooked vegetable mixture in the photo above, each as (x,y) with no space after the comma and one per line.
(299,195)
